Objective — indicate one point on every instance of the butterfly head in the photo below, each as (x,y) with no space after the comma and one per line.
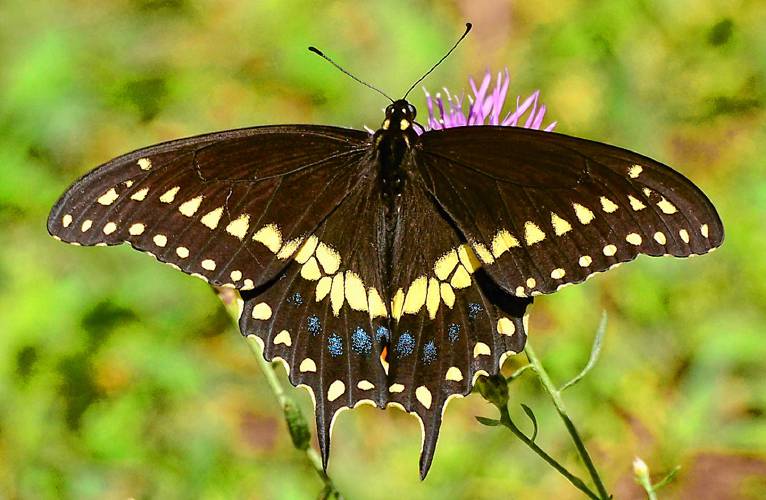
(399,115)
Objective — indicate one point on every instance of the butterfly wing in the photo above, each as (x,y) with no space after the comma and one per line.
(230,207)
(543,210)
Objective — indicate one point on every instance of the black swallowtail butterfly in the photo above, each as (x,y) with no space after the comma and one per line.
(391,268)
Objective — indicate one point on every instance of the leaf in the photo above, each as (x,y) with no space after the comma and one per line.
(491,422)
(532,417)
(594,353)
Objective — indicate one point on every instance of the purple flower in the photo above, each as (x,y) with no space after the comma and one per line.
(485,107)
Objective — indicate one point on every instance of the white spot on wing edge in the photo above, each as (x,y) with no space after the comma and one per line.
(108,198)
(144,163)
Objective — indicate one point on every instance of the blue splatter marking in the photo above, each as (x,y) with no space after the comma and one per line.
(335,345)
(382,334)
(314,326)
(296,299)
(361,342)
(405,345)
(429,352)
(453,332)
(474,309)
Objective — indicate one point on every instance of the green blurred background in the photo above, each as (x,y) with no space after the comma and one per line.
(121,378)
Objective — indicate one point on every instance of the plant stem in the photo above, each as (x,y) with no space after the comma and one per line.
(505,419)
(555,395)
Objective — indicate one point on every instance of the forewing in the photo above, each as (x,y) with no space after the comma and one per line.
(452,323)
(543,210)
(231,207)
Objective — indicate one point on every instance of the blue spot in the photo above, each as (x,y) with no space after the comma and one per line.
(295,299)
(405,345)
(474,309)
(453,332)
(335,345)
(361,342)
(382,334)
(429,352)
(314,326)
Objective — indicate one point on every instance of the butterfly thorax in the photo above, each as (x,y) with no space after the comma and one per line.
(392,141)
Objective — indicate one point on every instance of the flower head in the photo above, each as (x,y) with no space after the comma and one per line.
(485,107)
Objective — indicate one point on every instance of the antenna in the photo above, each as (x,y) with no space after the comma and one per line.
(468,27)
(323,56)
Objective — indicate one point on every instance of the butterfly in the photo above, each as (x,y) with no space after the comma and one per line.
(391,268)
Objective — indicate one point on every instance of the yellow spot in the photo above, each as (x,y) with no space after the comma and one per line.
(289,248)
(481,349)
(666,206)
(502,242)
(454,374)
(560,226)
(531,282)
(136,229)
(397,303)
(182,252)
(283,337)
(386,124)
(169,195)
(145,163)
(647,192)
(310,270)
(585,261)
(610,250)
(376,305)
(636,204)
(634,171)
(307,250)
(660,238)
(484,254)
(684,234)
(447,294)
(336,293)
(190,207)
(110,227)
(235,275)
(108,197)
(270,236)
(395,388)
(461,278)
(558,273)
(208,264)
(66,220)
(239,226)
(468,258)
(128,183)
(335,390)
(634,239)
(139,195)
(248,284)
(328,257)
(262,311)
(445,264)
(365,385)
(505,327)
(160,240)
(704,230)
(608,205)
(520,292)
(307,365)
(532,233)
(404,124)
(424,396)
(416,295)
(212,218)
(432,297)
(355,293)
(584,215)
(323,288)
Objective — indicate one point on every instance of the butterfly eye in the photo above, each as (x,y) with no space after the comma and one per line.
(412,111)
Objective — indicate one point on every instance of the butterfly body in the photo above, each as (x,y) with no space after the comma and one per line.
(395,268)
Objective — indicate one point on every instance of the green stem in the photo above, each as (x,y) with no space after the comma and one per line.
(505,419)
(555,395)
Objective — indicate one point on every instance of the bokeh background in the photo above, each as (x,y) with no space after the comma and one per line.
(121,378)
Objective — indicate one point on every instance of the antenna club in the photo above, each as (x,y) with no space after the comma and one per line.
(315,50)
